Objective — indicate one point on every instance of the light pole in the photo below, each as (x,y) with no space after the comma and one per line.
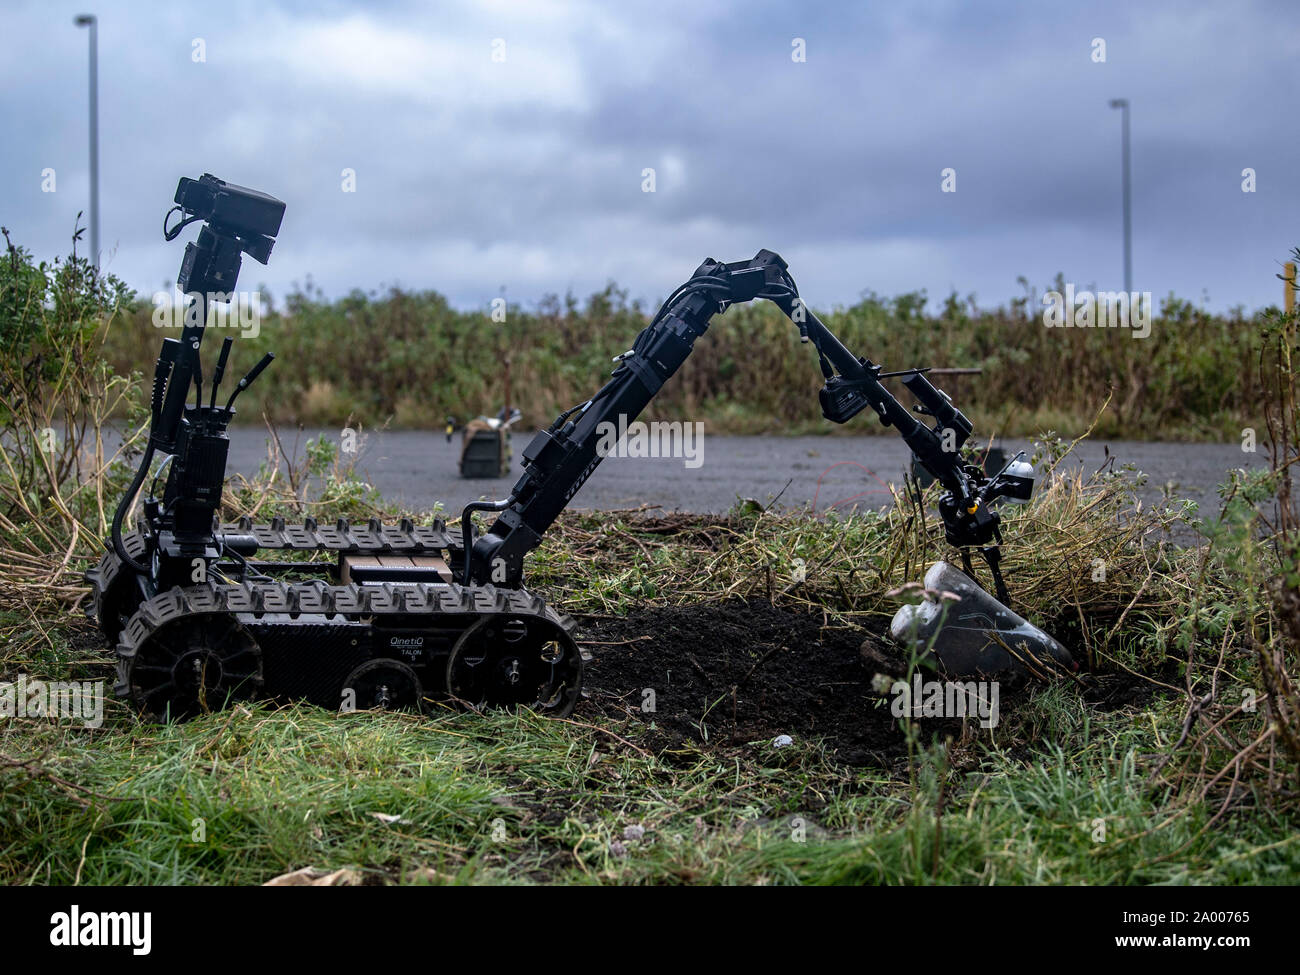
(89,20)
(1122,105)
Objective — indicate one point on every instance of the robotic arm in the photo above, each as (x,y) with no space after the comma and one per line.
(560,458)
(967,504)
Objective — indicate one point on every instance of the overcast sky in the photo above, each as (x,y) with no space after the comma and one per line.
(474,174)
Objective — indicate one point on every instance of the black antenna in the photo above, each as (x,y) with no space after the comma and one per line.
(248,380)
(221,369)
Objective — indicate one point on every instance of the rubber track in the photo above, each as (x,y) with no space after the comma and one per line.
(351,602)
(102,576)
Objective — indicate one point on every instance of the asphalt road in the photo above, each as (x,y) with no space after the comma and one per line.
(419,468)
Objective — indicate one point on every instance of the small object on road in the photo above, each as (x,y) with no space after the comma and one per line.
(485,445)
(485,442)
(781,741)
(975,635)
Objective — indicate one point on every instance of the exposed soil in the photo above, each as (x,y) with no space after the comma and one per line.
(734,673)
(737,672)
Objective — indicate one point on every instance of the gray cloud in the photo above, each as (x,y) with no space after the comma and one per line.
(474,175)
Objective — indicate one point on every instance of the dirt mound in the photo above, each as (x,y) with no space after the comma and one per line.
(736,672)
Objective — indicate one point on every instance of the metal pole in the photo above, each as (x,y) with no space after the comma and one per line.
(1122,104)
(89,20)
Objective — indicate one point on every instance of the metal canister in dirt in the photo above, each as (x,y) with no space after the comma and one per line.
(967,639)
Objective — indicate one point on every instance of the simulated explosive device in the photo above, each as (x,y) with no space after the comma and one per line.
(385,616)
(974,635)
(485,448)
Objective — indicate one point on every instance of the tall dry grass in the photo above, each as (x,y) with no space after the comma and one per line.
(409,355)
(58,482)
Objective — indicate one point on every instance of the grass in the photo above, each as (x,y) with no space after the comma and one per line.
(1062,791)
(241,797)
